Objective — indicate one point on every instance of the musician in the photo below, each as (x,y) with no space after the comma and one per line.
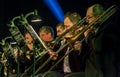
(101,57)
(60,28)
(46,34)
(33,47)
(28,49)
(57,71)
(29,42)
(74,65)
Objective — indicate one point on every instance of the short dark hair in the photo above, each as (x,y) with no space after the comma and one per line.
(47,29)
(73,16)
(61,24)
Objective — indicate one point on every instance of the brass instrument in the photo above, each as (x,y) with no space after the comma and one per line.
(100,19)
(75,26)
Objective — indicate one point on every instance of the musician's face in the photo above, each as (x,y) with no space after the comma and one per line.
(59,30)
(68,24)
(47,37)
(89,15)
(28,38)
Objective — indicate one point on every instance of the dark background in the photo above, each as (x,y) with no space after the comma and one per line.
(11,8)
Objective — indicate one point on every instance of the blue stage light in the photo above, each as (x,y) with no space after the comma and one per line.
(54,6)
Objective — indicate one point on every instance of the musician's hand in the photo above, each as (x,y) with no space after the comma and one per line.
(86,32)
(78,45)
(53,55)
(28,55)
(15,52)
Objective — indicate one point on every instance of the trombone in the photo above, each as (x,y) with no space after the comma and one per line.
(99,20)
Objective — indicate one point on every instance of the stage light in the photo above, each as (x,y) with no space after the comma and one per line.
(54,6)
